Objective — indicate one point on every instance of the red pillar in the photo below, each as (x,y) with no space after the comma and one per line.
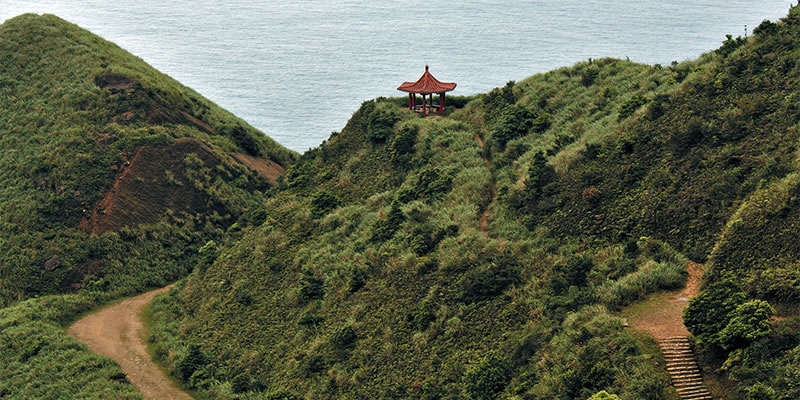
(441,102)
(413,101)
(409,101)
(424,109)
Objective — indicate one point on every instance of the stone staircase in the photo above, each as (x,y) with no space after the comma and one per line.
(683,369)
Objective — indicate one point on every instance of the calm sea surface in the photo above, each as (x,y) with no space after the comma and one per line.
(297,70)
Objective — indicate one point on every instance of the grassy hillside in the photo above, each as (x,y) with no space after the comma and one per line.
(112,177)
(374,277)
(110,170)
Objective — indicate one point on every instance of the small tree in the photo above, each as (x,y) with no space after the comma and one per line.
(488,377)
(322,203)
(748,323)
(194,360)
(603,395)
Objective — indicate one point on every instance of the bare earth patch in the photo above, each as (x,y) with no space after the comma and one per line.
(268,169)
(118,332)
(661,315)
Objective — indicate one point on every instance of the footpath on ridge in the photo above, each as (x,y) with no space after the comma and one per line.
(118,332)
(662,317)
(484,221)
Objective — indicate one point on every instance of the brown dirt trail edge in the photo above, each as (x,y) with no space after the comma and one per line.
(662,315)
(118,332)
(484,220)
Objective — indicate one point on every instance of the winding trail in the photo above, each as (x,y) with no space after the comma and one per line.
(484,220)
(661,316)
(118,332)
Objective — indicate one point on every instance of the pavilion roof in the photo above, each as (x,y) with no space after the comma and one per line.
(427,84)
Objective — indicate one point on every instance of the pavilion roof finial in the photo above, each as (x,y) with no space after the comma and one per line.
(426,67)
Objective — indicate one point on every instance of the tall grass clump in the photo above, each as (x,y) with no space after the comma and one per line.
(650,277)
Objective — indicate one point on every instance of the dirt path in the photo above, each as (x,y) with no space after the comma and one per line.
(662,315)
(117,331)
(484,221)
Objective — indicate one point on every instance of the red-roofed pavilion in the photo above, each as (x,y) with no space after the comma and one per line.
(426,85)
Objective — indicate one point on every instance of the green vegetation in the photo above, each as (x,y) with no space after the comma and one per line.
(371,277)
(610,175)
(39,360)
(367,272)
(77,112)
(112,177)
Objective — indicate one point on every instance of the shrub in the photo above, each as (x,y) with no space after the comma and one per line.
(515,121)
(766,27)
(195,359)
(635,286)
(541,123)
(630,106)
(343,338)
(589,75)
(322,203)
(310,319)
(385,228)
(730,45)
(540,174)
(281,395)
(748,322)
(340,342)
(488,377)
(357,280)
(760,391)
(422,315)
(243,139)
(433,183)
(32,350)
(487,281)
(244,298)
(709,312)
(379,125)
(311,288)
(403,144)
(208,254)
(245,382)
(603,395)
(421,241)
(576,270)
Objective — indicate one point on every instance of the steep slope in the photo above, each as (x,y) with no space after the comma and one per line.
(371,277)
(112,174)
(112,177)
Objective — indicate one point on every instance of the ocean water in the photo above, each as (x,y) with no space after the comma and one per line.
(297,70)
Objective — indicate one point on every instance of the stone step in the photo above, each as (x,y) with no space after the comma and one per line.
(688,384)
(682,365)
(695,394)
(688,379)
(679,356)
(693,391)
(687,375)
(682,353)
(683,369)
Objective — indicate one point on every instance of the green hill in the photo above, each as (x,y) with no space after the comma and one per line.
(373,276)
(109,169)
(112,176)
(481,254)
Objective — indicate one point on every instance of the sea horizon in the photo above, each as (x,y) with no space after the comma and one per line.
(298,70)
